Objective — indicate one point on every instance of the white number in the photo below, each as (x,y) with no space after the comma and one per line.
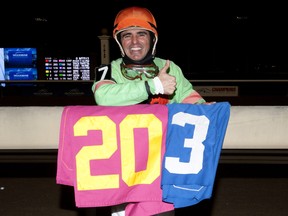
(195,164)
(105,70)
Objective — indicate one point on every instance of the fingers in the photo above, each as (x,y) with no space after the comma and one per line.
(167,65)
(168,82)
(209,103)
(165,68)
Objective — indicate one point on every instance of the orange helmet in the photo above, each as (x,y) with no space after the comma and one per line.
(135,17)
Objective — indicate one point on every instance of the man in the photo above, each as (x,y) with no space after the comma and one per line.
(139,76)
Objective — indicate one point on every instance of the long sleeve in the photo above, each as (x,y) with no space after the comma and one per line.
(121,94)
(120,91)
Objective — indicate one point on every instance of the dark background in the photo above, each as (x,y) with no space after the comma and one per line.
(235,40)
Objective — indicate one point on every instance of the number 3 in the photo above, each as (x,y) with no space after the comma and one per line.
(195,164)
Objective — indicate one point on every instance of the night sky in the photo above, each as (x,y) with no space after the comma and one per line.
(235,38)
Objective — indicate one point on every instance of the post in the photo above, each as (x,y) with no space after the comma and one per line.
(105,49)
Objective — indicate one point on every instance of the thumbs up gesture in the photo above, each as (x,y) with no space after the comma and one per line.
(168,81)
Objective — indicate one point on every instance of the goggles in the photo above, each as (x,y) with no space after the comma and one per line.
(133,72)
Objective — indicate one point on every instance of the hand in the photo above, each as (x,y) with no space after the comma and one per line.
(168,81)
(209,103)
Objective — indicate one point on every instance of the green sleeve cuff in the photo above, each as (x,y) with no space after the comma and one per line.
(151,85)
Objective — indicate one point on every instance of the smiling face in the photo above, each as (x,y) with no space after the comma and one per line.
(135,43)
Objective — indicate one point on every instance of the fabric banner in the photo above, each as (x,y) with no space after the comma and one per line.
(114,155)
